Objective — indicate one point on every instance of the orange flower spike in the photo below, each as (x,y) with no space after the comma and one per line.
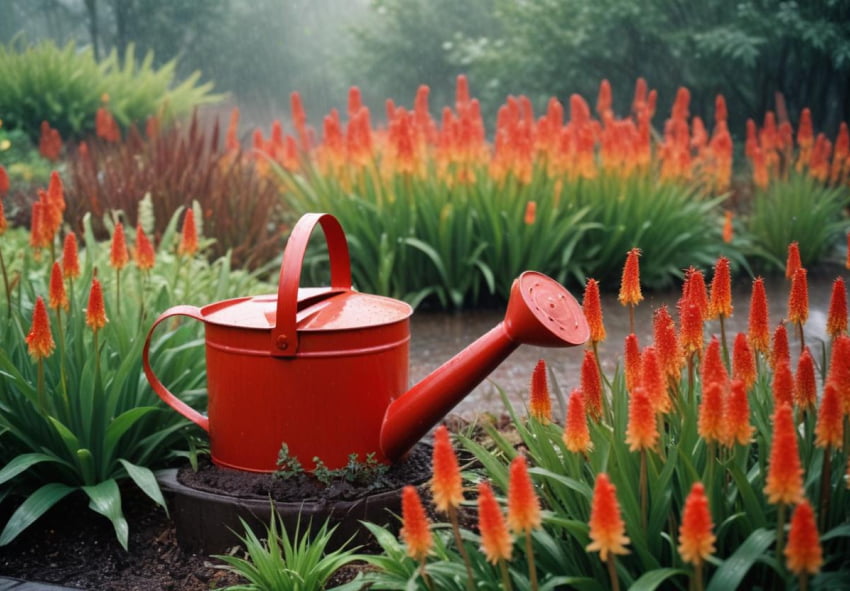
(691,336)
(785,474)
(446,486)
(792,263)
(798,300)
(667,343)
(631,357)
(415,528)
(4,181)
(591,385)
(652,380)
(779,351)
(696,540)
(697,293)
(736,416)
(70,257)
(37,233)
(829,430)
(642,430)
(576,434)
(592,308)
(496,542)
(523,504)
(530,213)
(630,293)
(743,362)
(847,261)
(189,237)
(836,323)
(713,370)
(759,331)
(3,223)
(58,298)
(118,254)
(839,370)
(803,554)
(720,302)
(783,384)
(40,340)
(607,529)
(805,382)
(540,404)
(144,255)
(710,422)
(96,311)
(728,228)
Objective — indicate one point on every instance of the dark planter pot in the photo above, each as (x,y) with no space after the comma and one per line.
(209,523)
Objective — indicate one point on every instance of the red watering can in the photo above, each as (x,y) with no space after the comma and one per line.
(324,370)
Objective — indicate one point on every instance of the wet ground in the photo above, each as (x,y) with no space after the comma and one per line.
(436,337)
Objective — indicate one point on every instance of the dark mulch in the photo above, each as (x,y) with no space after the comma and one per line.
(72,546)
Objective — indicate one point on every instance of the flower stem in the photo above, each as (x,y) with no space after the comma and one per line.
(506,577)
(461,548)
(644,496)
(532,569)
(780,531)
(825,477)
(723,341)
(425,576)
(632,318)
(612,573)
(6,285)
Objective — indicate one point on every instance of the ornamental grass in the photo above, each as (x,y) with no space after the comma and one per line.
(738,480)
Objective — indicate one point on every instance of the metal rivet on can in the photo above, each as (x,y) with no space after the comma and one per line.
(281,342)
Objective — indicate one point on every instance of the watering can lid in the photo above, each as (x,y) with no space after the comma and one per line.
(319,308)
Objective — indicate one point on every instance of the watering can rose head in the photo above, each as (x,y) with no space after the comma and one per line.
(325,370)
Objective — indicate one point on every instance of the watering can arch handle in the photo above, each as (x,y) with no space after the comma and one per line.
(284,333)
(161,391)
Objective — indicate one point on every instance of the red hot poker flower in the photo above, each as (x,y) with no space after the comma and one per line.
(694,291)
(592,308)
(144,255)
(118,255)
(710,423)
(720,303)
(523,504)
(4,181)
(40,340)
(803,553)
(540,405)
(58,298)
(792,263)
(691,337)
(727,227)
(696,540)
(785,474)
(798,300)
(713,370)
(446,485)
(576,434)
(759,331)
(783,385)
(780,351)
(630,293)
(632,362)
(743,361)
(496,542)
(415,531)
(96,311)
(829,430)
(667,343)
(3,223)
(607,529)
(530,213)
(805,382)
(70,258)
(653,381)
(189,237)
(642,430)
(836,323)
(591,385)
(839,370)
(736,416)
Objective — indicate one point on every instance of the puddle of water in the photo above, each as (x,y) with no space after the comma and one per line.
(436,337)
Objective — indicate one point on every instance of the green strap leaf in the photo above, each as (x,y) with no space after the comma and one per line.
(23,462)
(33,508)
(122,423)
(105,498)
(649,581)
(730,574)
(145,480)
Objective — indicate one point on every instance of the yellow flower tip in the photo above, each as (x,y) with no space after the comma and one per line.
(415,528)
(523,504)
(540,404)
(696,540)
(446,484)
(607,529)
(630,293)
(496,541)
(803,553)
(40,340)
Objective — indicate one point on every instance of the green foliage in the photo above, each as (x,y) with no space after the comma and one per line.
(367,474)
(799,209)
(84,418)
(22,160)
(65,87)
(279,563)
(240,208)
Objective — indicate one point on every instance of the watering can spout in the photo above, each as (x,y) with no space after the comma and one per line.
(540,312)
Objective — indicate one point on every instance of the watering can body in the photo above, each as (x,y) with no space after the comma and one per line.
(325,370)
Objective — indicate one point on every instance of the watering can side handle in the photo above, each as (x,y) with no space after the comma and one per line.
(163,392)
(284,337)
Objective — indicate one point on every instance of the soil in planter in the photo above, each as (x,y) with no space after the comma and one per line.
(73,546)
